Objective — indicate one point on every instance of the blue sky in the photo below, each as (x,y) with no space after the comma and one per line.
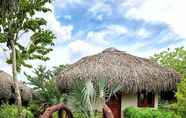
(85,27)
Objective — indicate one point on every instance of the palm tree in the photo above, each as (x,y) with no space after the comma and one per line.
(90,97)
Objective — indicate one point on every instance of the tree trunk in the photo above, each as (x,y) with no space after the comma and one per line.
(14,71)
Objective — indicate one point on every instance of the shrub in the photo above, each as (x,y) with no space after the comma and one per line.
(176,59)
(132,112)
(81,115)
(11,111)
(34,107)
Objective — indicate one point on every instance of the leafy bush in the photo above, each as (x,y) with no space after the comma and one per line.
(181,98)
(11,111)
(132,112)
(35,108)
(81,115)
(44,84)
(176,59)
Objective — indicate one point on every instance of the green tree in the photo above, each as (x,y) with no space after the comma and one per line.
(44,84)
(177,60)
(44,88)
(17,20)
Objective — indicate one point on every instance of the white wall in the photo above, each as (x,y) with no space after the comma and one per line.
(128,101)
(132,101)
(156,101)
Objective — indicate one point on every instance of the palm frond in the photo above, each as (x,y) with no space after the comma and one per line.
(90,96)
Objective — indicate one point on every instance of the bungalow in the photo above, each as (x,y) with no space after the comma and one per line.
(7,90)
(142,80)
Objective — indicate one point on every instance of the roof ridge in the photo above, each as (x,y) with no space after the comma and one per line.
(111,49)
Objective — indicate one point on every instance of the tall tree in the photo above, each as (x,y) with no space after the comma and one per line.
(17,18)
(176,59)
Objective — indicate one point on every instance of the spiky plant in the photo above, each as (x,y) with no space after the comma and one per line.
(89,97)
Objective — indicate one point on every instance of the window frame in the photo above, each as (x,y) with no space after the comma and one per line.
(148,99)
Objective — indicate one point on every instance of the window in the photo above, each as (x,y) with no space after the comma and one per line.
(146,99)
(168,95)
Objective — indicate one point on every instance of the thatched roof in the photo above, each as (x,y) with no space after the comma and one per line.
(25,91)
(7,88)
(132,73)
(5,85)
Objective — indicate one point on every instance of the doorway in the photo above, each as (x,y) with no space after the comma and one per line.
(115,105)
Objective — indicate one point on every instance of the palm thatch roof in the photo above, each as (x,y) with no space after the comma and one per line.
(7,89)
(5,85)
(133,73)
(26,92)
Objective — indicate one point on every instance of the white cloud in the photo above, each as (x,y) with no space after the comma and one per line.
(130,3)
(83,48)
(97,37)
(100,9)
(24,38)
(138,48)
(66,3)
(167,36)
(143,33)
(4,54)
(170,12)
(62,32)
(95,41)
(103,36)
(118,29)
(153,51)
(4,66)
(60,55)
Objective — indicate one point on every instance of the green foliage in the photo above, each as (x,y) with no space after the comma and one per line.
(11,111)
(80,115)
(89,97)
(2,38)
(173,59)
(45,89)
(34,107)
(177,60)
(17,18)
(132,112)
(44,84)
(181,98)
(20,21)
